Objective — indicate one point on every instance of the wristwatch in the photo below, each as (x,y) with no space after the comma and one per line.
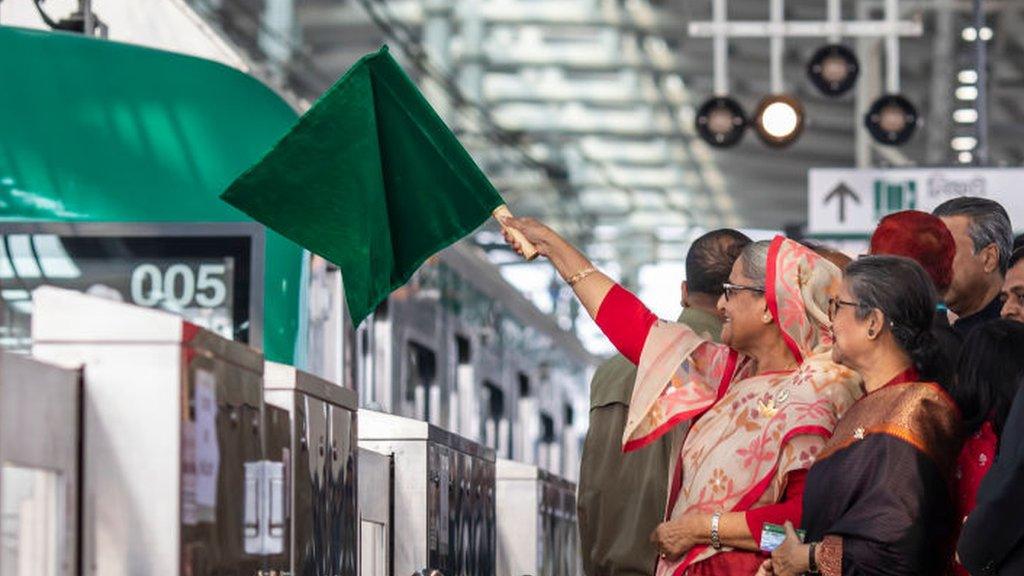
(812,560)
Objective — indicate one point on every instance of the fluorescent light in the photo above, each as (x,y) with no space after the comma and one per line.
(52,257)
(967,76)
(963,143)
(965,115)
(965,157)
(15,294)
(25,264)
(967,93)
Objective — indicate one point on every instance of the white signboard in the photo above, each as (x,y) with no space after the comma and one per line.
(852,201)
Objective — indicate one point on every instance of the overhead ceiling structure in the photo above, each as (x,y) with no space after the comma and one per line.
(582,111)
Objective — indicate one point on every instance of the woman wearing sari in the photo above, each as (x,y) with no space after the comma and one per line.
(878,500)
(759,408)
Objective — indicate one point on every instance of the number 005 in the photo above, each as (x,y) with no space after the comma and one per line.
(179,285)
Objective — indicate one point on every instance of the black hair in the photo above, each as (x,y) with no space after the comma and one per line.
(988,374)
(1017,256)
(710,259)
(906,296)
(1018,242)
(990,224)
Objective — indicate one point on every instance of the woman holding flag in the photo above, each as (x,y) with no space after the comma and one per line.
(758,408)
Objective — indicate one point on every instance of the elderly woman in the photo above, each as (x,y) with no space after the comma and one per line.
(878,500)
(759,408)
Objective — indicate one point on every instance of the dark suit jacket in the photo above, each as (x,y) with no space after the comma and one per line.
(992,541)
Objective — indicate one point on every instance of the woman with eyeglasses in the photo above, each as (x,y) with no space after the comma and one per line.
(758,408)
(878,499)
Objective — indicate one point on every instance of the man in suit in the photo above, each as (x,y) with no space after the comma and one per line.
(1012,294)
(622,496)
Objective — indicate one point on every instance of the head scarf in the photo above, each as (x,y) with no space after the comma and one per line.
(680,375)
(742,448)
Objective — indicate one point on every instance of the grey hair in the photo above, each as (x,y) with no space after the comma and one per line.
(989,224)
(754,260)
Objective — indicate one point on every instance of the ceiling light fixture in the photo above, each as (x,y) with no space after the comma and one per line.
(964,143)
(891,120)
(967,93)
(967,76)
(965,116)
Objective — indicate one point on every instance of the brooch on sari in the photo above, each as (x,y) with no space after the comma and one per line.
(769,408)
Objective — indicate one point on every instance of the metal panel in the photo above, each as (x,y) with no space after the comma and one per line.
(172,415)
(39,433)
(438,495)
(375,493)
(536,513)
(342,466)
(277,442)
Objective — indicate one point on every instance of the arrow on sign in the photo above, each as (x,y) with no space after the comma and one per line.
(842,192)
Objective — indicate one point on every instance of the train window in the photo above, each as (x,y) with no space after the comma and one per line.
(569,415)
(524,385)
(420,379)
(547,451)
(547,428)
(462,349)
(210,274)
(495,425)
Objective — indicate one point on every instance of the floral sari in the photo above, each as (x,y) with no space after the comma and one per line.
(747,430)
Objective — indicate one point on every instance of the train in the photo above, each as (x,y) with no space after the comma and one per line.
(109,209)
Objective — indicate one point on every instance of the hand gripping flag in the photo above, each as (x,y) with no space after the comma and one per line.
(371,179)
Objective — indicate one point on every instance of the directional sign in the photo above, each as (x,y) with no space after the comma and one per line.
(842,192)
(852,201)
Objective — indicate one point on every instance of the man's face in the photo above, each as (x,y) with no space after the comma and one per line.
(1012,294)
(970,276)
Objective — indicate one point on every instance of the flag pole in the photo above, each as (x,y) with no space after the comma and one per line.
(501,214)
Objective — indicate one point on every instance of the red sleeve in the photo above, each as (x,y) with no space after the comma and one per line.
(625,321)
(790,508)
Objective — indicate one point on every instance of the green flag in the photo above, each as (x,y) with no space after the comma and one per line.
(371,179)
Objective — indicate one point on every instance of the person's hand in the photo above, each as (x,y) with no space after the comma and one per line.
(765,569)
(675,537)
(790,558)
(535,231)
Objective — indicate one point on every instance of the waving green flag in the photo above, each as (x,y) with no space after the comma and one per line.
(371,179)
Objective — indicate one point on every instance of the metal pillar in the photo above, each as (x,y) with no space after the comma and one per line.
(943,71)
(721,50)
(777,16)
(981,53)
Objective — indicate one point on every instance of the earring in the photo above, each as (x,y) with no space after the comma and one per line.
(766,317)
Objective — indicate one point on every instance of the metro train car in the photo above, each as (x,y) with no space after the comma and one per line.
(133,215)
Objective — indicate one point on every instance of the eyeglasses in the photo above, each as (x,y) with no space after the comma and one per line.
(1016,294)
(834,303)
(731,289)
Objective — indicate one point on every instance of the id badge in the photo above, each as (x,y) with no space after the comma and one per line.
(772,536)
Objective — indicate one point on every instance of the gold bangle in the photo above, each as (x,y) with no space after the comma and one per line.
(577,277)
